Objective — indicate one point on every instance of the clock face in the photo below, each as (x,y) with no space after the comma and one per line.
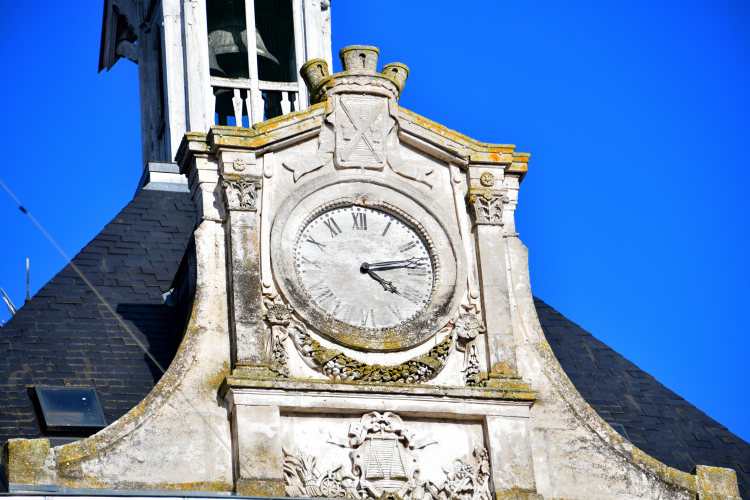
(365,267)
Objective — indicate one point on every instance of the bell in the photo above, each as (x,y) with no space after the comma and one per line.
(261,48)
(227,39)
(213,64)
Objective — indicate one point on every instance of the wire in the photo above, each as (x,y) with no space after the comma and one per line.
(112,311)
(88,283)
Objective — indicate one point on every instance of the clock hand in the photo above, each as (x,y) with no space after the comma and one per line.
(409,264)
(387,285)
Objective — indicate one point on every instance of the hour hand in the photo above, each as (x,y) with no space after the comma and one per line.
(387,285)
(409,263)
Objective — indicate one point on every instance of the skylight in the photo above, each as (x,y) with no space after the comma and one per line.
(70,408)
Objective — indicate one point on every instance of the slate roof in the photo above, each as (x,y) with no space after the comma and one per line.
(63,336)
(656,420)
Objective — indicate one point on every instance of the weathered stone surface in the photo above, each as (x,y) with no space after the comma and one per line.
(256,439)
(296,416)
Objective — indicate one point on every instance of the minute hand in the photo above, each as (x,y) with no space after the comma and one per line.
(410,263)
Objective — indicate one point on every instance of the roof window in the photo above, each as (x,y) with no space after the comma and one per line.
(70,408)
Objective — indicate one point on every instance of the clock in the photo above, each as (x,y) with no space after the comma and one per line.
(365,267)
(369,266)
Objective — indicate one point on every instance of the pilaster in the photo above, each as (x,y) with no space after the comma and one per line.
(487,204)
(240,181)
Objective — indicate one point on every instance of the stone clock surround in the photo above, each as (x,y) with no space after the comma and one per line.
(369,189)
(221,420)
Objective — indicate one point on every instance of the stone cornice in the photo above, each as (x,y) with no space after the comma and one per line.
(271,134)
(505,391)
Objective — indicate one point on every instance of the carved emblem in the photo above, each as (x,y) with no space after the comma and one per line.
(360,123)
(385,465)
(241,191)
(488,205)
(239,164)
(361,132)
(487,179)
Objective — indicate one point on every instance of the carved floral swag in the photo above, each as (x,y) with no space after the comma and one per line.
(461,333)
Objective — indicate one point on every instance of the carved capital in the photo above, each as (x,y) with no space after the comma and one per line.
(488,205)
(241,192)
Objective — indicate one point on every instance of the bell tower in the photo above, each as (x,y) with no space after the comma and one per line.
(213,62)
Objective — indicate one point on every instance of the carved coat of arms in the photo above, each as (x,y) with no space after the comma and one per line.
(361,125)
(385,466)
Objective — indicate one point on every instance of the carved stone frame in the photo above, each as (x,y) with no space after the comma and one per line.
(367,189)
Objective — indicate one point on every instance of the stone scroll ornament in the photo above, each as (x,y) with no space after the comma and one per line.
(384,466)
(466,328)
(278,315)
(460,333)
(360,132)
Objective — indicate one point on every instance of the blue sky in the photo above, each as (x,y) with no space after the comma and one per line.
(636,114)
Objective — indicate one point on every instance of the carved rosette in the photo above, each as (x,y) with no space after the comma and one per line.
(487,205)
(241,192)
(466,328)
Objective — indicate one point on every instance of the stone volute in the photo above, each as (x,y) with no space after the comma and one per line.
(360,67)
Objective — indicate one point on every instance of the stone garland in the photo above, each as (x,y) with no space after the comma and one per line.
(463,331)
(338,366)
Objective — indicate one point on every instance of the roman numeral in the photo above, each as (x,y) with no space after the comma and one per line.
(408,246)
(394,310)
(365,315)
(347,314)
(320,245)
(360,221)
(311,262)
(332,226)
(411,294)
(386,228)
(336,307)
(320,292)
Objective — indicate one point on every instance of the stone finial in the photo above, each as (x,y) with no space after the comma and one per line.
(360,64)
(315,73)
(359,58)
(398,72)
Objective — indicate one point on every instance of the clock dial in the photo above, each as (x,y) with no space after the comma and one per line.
(364,267)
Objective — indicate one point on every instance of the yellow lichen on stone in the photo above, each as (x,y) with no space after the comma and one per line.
(23,460)
(716,482)
(260,488)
